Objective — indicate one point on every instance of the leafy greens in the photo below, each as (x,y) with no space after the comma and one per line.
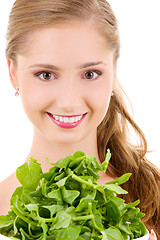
(67,203)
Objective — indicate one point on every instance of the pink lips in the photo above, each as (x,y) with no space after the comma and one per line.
(66,124)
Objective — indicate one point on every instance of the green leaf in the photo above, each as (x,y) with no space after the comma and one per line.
(131,213)
(124,178)
(86,236)
(56,194)
(138,229)
(60,176)
(98,219)
(32,207)
(67,203)
(140,215)
(53,209)
(73,184)
(93,164)
(113,212)
(142,228)
(70,233)
(20,207)
(112,234)
(18,192)
(93,173)
(79,154)
(61,182)
(64,162)
(125,227)
(104,165)
(29,175)
(80,169)
(6,221)
(75,163)
(62,220)
(69,196)
(83,204)
(119,202)
(131,205)
(115,188)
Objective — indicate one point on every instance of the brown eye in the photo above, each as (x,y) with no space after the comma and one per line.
(89,75)
(45,76)
(92,75)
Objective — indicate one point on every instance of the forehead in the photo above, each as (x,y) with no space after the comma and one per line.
(67,42)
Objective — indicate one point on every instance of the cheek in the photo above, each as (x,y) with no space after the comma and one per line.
(99,101)
(101,93)
(34,97)
(102,103)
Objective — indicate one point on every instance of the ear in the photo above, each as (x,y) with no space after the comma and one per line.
(12,73)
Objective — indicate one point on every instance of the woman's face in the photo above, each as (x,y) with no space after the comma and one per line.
(65,78)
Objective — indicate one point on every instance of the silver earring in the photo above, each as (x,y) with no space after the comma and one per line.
(17,92)
(112,94)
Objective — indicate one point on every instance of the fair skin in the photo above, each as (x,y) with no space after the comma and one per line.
(67,71)
(57,77)
(67,90)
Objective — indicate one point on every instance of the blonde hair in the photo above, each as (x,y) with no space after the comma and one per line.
(27,16)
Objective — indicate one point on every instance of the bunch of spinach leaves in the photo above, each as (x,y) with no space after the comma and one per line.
(67,203)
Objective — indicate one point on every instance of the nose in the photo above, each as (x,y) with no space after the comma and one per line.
(69,98)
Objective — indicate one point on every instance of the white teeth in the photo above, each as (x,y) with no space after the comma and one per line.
(67,119)
(61,119)
(72,120)
(56,117)
(76,119)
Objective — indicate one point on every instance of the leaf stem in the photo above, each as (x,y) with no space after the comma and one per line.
(93,220)
(97,187)
(83,181)
(23,217)
(81,218)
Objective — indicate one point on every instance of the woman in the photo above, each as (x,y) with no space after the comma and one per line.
(62,57)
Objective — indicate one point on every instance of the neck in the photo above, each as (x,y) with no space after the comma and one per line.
(42,149)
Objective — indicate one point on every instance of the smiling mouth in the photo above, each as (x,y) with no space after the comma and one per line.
(67,121)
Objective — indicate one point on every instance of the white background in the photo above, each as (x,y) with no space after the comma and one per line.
(138,71)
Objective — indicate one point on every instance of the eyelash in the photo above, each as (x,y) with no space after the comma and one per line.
(99,73)
(38,74)
(53,76)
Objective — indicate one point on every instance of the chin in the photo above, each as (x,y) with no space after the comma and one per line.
(67,139)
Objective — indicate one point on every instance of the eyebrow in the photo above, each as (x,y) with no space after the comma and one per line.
(89,64)
(52,67)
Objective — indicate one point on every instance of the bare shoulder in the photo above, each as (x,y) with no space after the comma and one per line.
(7,188)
